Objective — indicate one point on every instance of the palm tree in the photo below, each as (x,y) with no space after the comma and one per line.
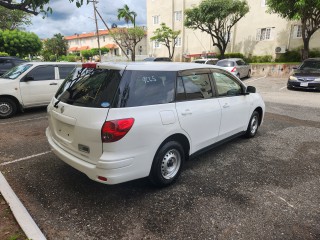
(127,15)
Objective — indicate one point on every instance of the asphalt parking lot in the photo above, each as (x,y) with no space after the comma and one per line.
(267,187)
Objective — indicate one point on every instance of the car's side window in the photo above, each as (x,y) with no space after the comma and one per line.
(64,70)
(195,87)
(239,63)
(226,86)
(42,73)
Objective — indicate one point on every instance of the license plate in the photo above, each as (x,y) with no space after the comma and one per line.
(303,84)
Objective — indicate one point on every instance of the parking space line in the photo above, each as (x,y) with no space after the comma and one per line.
(25,120)
(283,87)
(24,158)
(256,79)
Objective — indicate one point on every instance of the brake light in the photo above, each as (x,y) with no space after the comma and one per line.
(234,69)
(89,65)
(114,130)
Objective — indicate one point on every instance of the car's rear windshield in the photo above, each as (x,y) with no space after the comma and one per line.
(90,87)
(225,64)
(310,65)
(199,61)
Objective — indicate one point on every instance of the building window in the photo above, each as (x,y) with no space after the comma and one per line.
(178,16)
(264,3)
(178,42)
(156,19)
(156,44)
(297,31)
(264,34)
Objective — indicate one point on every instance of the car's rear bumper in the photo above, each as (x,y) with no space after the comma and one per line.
(115,170)
(303,85)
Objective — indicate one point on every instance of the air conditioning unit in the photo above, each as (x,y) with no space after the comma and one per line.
(281,49)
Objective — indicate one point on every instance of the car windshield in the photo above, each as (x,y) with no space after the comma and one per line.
(15,72)
(310,65)
(225,64)
(199,61)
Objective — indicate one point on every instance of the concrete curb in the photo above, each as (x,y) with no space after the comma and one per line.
(21,214)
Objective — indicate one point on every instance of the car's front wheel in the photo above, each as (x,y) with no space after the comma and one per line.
(253,125)
(167,164)
(7,107)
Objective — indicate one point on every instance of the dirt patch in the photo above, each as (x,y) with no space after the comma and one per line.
(9,228)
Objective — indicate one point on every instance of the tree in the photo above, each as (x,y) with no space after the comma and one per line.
(167,37)
(307,11)
(18,43)
(128,38)
(13,19)
(33,6)
(127,15)
(216,17)
(56,46)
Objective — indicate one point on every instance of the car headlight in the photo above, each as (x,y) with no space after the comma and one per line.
(293,78)
(317,80)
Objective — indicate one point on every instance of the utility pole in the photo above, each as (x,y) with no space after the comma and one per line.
(97,29)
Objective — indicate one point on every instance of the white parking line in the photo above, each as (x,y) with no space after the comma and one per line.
(283,87)
(25,120)
(256,79)
(24,158)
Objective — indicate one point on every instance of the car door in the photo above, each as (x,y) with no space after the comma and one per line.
(39,85)
(240,68)
(235,105)
(64,71)
(198,109)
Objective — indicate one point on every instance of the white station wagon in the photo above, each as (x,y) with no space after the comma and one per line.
(117,122)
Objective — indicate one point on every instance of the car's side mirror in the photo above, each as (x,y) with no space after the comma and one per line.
(294,68)
(251,89)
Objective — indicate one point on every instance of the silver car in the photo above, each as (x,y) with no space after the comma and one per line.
(236,66)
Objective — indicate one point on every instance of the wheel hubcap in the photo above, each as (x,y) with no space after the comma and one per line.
(170,164)
(4,108)
(254,124)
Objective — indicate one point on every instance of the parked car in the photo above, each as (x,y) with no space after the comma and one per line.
(236,66)
(212,61)
(119,122)
(157,59)
(30,84)
(306,76)
(7,63)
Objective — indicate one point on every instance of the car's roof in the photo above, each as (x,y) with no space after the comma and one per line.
(312,59)
(231,59)
(204,59)
(151,66)
(10,57)
(52,63)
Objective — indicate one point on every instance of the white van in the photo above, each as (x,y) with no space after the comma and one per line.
(117,122)
(31,84)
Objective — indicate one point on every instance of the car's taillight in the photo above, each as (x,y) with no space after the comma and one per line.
(114,130)
(234,69)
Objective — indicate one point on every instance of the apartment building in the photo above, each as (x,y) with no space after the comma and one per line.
(257,33)
(86,41)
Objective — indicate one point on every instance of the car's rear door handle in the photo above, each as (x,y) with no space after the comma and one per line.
(186,112)
(53,83)
(226,105)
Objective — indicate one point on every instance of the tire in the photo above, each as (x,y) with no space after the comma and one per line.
(253,125)
(238,75)
(8,107)
(167,164)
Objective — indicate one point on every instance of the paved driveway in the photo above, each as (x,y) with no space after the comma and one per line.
(267,187)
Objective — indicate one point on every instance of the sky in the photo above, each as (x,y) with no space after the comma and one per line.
(67,19)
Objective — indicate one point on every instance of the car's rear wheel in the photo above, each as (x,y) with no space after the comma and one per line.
(253,125)
(167,164)
(238,75)
(7,107)
(249,74)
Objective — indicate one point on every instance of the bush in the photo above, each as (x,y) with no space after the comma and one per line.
(69,58)
(231,55)
(3,54)
(289,56)
(314,53)
(260,59)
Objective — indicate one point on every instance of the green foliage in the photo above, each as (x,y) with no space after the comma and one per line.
(216,17)
(4,54)
(167,37)
(34,6)
(18,43)
(314,53)
(70,58)
(56,46)
(87,54)
(260,59)
(93,52)
(127,15)
(13,19)
(295,55)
